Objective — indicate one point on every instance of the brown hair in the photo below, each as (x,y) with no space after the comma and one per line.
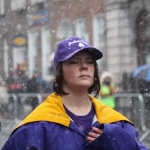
(58,81)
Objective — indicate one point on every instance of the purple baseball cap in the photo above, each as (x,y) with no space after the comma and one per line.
(70,46)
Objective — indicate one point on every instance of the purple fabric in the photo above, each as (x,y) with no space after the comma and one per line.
(52,136)
(70,46)
(84,122)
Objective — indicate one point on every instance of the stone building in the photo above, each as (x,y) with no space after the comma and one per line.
(25,36)
(128,35)
(30,30)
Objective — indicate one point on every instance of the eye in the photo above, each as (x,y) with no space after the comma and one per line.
(90,62)
(73,62)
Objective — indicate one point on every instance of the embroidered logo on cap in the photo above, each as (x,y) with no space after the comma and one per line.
(81,45)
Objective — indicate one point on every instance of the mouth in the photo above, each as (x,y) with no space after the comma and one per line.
(84,76)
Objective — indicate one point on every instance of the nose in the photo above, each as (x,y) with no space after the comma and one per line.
(83,66)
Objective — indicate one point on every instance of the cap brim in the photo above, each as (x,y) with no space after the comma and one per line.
(96,53)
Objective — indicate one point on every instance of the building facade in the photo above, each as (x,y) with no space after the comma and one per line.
(30,30)
(128,35)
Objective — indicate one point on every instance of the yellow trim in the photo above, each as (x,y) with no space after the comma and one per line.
(52,110)
(106,114)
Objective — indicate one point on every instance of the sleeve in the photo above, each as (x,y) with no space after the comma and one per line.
(28,137)
(120,135)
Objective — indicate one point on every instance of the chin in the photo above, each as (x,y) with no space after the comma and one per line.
(85,85)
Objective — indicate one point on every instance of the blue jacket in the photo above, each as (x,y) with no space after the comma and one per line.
(48,127)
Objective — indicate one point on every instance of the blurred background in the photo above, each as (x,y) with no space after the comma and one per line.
(30,31)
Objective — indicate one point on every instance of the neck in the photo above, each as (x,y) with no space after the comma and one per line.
(77,104)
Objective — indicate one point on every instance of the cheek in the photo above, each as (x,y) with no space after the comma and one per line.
(69,74)
(91,71)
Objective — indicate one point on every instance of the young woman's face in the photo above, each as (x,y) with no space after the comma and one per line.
(78,71)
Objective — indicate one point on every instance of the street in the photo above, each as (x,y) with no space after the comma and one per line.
(7,127)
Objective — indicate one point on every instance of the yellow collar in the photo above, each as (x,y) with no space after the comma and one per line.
(52,110)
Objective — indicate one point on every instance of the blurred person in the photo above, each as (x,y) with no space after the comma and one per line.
(4,100)
(33,87)
(15,87)
(70,118)
(106,94)
(17,71)
(48,85)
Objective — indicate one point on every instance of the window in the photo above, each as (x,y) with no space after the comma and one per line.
(46,50)
(81,28)
(33,2)
(2,7)
(99,35)
(18,4)
(5,49)
(64,29)
(143,37)
(32,51)
(147,48)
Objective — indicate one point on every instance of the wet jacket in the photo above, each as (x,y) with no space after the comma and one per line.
(48,127)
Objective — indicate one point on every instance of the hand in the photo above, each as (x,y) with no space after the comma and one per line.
(112,89)
(93,135)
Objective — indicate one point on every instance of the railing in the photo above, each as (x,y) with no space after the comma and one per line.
(141,106)
(145,95)
(141,101)
(14,96)
(139,98)
(15,106)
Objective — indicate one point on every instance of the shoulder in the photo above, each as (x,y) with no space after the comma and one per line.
(34,128)
(35,133)
(43,112)
(129,127)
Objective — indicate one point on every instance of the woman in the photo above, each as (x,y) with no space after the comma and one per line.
(106,94)
(4,100)
(70,118)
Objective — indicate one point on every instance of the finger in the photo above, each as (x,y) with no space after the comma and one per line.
(93,135)
(97,130)
(91,139)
